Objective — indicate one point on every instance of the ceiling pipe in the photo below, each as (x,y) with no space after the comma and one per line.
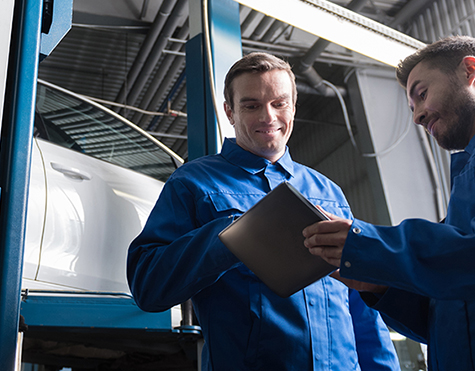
(304,67)
(144,51)
(303,87)
(169,28)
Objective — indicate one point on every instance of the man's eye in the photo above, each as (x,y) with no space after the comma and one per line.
(280,104)
(423,94)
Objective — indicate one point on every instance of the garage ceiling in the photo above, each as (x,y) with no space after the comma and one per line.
(132,52)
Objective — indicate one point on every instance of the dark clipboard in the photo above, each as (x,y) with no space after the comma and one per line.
(268,240)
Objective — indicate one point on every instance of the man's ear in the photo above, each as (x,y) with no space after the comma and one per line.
(229,113)
(469,65)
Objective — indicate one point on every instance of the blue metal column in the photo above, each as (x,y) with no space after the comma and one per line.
(15,156)
(225,41)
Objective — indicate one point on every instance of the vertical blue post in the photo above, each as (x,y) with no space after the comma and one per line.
(225,36)
(15,158)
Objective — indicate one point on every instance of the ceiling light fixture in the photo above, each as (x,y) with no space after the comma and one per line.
(340,26)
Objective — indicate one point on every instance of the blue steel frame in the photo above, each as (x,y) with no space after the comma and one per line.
(225,35)
(16,138)
(62,20)
(15,160)
(90,310)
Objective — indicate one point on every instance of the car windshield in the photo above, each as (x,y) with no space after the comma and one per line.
(73,123)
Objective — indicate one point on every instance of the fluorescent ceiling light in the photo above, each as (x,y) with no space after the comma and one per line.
(340,26)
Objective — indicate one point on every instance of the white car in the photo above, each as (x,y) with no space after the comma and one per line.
(94,180)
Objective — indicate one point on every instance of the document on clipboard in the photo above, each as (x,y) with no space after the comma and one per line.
(268,240)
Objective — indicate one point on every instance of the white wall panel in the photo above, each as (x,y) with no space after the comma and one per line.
(402,167)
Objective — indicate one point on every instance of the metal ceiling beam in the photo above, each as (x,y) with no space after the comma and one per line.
(143,12)
(261,27)
(169,68)
(409,11)
(275,26)
(165,84)
(248,21)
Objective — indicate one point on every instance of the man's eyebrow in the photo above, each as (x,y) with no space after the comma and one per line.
(285,96)
(247,99)
(250,99)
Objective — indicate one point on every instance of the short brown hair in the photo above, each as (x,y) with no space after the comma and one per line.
(445,54)
(257,62)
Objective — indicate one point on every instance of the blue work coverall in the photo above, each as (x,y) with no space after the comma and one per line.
(430,269)
(245,325)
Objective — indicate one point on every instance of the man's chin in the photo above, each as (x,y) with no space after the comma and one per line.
(451,144)
(272,152)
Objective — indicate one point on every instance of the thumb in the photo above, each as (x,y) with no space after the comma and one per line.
(327,214)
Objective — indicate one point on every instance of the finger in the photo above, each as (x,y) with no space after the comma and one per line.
(316,251)
(326,252)
(336,240)
(315,228)
(328,226)
(329,215)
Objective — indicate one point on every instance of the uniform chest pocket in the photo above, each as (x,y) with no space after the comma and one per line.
(230,204)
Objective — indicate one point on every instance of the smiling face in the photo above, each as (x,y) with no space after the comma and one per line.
(444,104)
(263,113)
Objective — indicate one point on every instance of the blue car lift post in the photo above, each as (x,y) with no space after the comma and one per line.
(99,319)
(15,155)
(215,38)
(108,317)
(224,30)
(103,314)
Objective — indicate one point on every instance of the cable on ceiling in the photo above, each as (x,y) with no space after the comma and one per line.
(350,130)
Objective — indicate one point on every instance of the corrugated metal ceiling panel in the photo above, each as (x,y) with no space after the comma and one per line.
(97,54)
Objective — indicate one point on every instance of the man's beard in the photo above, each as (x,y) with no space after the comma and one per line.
(458,134)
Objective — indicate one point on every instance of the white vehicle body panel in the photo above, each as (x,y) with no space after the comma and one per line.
(90,221)
(36,210)
(84,209)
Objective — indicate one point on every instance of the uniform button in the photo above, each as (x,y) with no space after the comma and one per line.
(356,230)
(347,264)
(311,302)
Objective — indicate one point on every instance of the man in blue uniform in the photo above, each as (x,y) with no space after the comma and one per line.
(179,256)
(429,266)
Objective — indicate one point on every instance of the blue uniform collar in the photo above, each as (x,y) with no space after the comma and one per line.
(460,159)
(471,146)
(251,162)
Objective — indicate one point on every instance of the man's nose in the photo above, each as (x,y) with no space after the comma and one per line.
(267,113)
(419,115)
